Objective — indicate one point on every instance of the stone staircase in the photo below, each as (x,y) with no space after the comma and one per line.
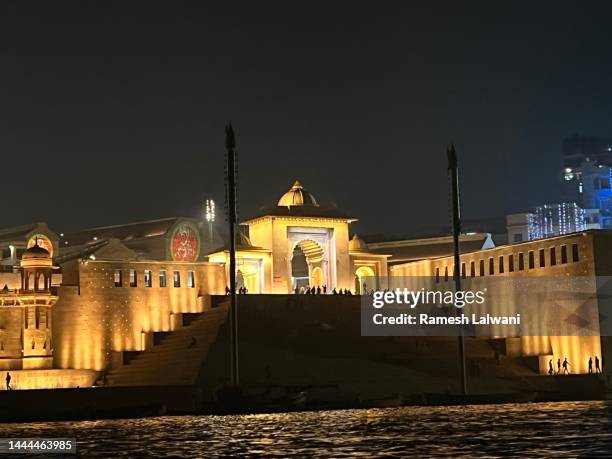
(177,358)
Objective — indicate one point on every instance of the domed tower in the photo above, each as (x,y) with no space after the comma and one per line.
(36,270)
(26,338)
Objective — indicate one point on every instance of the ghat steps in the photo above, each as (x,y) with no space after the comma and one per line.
(178,356)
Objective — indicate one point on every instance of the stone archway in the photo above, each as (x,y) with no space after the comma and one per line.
(365,277)
(319,250)
(317,276)
(308,264)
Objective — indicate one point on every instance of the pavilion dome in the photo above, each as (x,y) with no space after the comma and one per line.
(297,196)
(35,252)
(36,257)
(357,243)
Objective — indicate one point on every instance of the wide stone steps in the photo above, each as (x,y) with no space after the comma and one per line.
(178,357)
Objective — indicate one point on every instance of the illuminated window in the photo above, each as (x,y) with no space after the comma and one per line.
(133,278)
(190,279)
(163,281)
(575,255)
(148,281)
(482,271)
(531,259)
(542,258)
(521,262)
(563,254)
(176,276)
(118,278)
(511,263)
(491,266)
(472,269)
(501,264)
(553,256)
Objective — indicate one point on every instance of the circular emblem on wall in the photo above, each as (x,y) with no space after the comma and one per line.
(43,241)
(185,243)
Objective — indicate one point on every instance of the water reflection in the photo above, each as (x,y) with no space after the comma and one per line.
(551,429)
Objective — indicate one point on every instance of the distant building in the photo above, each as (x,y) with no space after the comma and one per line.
(520,227)
(557,219)
(587,174)
(550,220)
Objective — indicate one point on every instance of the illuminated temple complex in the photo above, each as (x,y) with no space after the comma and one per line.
(142,303)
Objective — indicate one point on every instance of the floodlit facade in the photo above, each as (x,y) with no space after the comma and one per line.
(119,291)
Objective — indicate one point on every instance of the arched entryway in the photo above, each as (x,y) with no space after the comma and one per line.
(308,267)
(365,277)
(318,279)
(248,275)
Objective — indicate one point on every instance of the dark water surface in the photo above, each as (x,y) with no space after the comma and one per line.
(532,430)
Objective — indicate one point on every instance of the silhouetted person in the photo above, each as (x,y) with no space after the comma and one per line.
(340,291)
(296,290)
(313,290)
(597,369)
(246,290)
(325,290)
(347,291)
(5,289)
(307,290)
(565,366)
(590,364)
(318,290)
(8,381)
(550,367)
(559,366)
(334,291)
(227,290)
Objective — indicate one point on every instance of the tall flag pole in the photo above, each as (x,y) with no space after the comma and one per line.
(230,145)
(453,172)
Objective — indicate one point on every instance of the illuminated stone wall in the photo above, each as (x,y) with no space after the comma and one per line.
(93,318)
(50,379)
(593,249)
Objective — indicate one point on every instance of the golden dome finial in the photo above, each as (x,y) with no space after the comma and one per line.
(297,196)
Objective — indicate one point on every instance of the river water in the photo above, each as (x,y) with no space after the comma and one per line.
(533,430)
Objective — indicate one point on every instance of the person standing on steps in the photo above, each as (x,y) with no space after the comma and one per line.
(590,364)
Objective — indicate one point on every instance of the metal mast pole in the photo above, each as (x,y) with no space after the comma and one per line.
(230,145)
(453,171)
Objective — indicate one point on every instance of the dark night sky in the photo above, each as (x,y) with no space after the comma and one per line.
(113,114)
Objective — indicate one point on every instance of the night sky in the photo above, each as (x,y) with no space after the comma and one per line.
(114,114)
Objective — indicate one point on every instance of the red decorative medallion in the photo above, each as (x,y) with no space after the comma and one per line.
(185,243)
